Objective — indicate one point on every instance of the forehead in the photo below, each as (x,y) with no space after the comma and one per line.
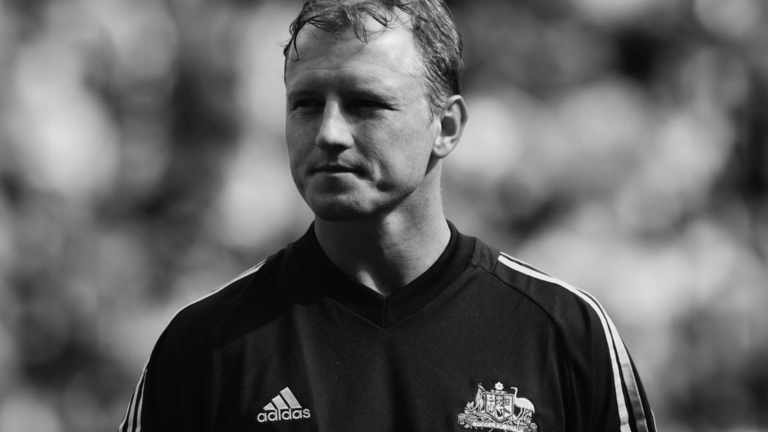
(389,54)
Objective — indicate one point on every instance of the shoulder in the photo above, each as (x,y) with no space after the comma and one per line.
(597,355)
(193,325)
(575,312)
(583,327)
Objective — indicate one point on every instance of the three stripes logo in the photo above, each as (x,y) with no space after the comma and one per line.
(283,407)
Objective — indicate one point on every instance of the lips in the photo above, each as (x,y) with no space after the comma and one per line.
(337,169)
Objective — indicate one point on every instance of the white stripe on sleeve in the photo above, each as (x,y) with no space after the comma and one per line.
(621,366)
(132,420)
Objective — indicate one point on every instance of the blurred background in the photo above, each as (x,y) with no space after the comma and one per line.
(620,145)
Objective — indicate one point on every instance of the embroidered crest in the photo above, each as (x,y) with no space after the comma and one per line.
(499,409)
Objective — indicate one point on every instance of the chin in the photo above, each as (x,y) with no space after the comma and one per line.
(339,210)
(338,213)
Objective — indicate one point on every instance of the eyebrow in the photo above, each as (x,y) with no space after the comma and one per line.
(370,92)
(362,90)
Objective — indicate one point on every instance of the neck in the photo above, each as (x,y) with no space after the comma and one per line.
(384,254)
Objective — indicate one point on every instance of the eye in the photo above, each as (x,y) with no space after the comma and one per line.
(306,104)
(368,104)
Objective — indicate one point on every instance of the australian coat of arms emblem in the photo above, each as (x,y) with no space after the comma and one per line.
(499,409)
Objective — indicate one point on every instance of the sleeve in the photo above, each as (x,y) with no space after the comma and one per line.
(174,391)
(131,420)
(603,392)
(170,392)
(618,399)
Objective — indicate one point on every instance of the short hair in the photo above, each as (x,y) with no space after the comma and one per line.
(436,36)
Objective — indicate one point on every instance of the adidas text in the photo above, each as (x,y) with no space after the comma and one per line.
(283,415)
(283,407)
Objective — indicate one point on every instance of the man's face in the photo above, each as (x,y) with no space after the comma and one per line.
(358,128)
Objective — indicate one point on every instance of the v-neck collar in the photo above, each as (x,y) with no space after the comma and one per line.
(381,310)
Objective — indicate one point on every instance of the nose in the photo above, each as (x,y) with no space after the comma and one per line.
(335,130)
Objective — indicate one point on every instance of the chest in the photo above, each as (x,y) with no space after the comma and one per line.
(322,368)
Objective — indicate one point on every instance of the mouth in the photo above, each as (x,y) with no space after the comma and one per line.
(337,169)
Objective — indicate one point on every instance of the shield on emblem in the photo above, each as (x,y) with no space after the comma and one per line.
(500,406)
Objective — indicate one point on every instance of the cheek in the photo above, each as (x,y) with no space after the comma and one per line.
(414,144)
(298,141)
(406,158)
(297,156)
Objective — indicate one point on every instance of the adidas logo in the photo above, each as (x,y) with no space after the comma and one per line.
(283,408)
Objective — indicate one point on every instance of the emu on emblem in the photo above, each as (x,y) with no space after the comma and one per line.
(499,409)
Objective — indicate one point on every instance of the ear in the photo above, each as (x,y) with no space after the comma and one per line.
(451,122)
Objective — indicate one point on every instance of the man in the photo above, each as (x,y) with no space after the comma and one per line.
(383,317)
